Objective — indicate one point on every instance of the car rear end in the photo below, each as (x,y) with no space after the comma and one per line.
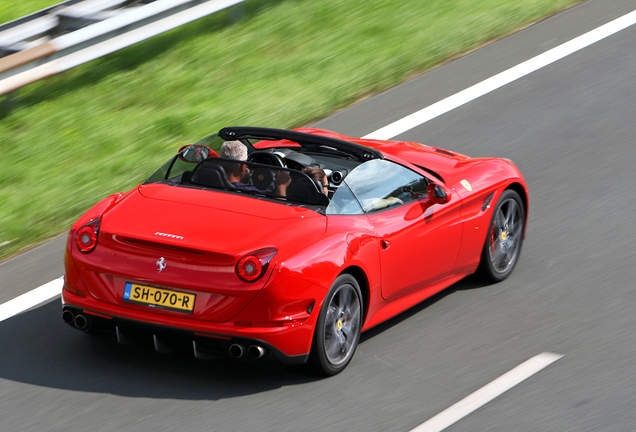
(194,270)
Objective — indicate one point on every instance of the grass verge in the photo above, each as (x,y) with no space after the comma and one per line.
(103,127)
(11,10)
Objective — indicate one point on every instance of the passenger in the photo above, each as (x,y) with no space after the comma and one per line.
(314,190)
(319,175)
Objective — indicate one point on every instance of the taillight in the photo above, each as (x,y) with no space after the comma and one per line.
(252,266)
(87,236)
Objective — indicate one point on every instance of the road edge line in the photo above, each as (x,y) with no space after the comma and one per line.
(31,299)
(490,391)
(501,79)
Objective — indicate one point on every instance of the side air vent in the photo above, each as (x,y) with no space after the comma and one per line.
(336,177)
(486,203)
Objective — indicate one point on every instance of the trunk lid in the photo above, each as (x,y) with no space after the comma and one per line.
(189,240)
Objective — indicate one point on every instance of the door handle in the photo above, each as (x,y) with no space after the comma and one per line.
(385,244)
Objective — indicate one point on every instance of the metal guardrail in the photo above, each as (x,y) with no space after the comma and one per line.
(77,31)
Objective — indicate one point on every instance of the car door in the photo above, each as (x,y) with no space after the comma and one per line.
(419,240)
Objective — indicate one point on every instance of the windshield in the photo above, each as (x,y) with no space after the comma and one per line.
(376,185)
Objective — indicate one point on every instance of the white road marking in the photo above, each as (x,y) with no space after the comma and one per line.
(503,78)
(53,288)
(487,393)
(31,299)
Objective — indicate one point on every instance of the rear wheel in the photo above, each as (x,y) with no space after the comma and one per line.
(505,235)
(338,328)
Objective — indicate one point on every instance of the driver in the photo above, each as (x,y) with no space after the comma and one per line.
(238,173)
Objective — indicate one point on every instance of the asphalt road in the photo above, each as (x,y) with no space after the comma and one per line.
(570,128)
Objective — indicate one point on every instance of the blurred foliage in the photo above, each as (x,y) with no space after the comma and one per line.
(74,138)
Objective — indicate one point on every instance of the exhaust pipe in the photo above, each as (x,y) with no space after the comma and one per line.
(255,352)
(236,350)
(67,316)
(81,322)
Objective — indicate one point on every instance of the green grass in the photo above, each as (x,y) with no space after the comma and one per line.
(11,9)
(103,127)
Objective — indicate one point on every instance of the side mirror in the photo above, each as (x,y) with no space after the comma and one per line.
(195,153)
(438,193)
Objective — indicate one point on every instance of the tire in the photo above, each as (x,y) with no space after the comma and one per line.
(505,236)
(338,328)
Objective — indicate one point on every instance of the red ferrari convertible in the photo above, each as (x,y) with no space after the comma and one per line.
(279,264)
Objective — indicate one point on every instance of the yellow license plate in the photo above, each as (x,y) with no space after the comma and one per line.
(159,297)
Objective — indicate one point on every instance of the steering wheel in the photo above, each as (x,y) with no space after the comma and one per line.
(263,179)
(266,158)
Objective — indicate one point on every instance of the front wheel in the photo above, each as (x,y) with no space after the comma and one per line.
(338,328)
(505,234)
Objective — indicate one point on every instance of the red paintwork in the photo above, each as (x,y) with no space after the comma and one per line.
(399,256)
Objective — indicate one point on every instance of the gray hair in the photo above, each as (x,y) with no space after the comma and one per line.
(233,150)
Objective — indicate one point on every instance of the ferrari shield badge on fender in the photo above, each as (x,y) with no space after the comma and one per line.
(161,264)
(467,185)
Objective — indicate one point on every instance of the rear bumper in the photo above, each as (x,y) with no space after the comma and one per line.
(203,344)
(280,319)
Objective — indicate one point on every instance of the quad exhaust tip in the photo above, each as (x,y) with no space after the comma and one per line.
(236,350)
(68,317)
(81,322)
(255,352)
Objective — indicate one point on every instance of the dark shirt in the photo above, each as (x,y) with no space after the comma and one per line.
(245,187)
